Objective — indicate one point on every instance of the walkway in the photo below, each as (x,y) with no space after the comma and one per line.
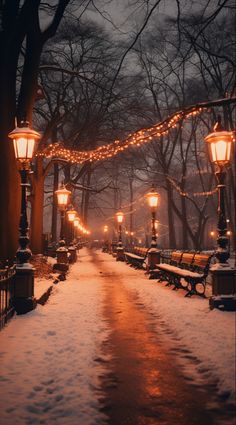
(95,354)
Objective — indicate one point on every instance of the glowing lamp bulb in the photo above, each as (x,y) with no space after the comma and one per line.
(153,199)
(24,142)
(120,217)
(62,197)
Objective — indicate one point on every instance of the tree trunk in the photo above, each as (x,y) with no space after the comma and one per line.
(184,221)
(86,197)
(131,215)
(36,239)
(172,237)
(54,205)
(9,177)
(9,194)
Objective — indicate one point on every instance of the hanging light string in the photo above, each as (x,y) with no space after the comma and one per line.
(189,195)
(136,139)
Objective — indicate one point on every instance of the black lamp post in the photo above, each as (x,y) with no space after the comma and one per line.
(71,214)
(24,140)
(120,248)
(153,252)
(220,145)
(105,247)
(62,252)
(62,200)
(153,199)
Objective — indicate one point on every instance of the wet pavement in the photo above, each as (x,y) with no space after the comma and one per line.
(145,384)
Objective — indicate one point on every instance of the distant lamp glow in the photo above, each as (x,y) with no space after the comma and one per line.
(24,141)
(62,197)
(153,199)
(105,229)
(212,233)
(76,222)
(71,214)
(120,217)
(220,145)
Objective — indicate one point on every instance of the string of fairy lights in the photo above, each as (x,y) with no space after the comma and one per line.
(136,139)
(188,194)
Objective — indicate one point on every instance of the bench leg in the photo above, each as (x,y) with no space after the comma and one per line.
(176,283)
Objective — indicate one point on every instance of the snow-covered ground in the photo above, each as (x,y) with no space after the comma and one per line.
(47,370)
(208,334)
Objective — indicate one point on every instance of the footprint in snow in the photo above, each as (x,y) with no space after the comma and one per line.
(51,333)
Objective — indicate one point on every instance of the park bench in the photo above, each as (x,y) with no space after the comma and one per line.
(186,270)
(136,256)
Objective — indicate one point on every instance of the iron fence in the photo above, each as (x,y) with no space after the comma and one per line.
(6,294)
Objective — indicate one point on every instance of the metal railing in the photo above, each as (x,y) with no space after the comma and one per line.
(6,294)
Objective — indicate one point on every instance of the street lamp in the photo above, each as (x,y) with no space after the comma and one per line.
(212,235)
(153,200)
(153,253)
(25,142)
(71,214)
(220,146)
(62,195)
(105,247)
(120,248)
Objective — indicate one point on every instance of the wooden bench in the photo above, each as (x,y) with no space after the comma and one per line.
(186,270)
(136,257)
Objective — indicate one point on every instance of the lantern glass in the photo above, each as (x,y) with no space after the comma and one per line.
(153,198)
(76,222)
(24,142)
(62,197)
(24,148)
(119,217)
(71,214)
(220,143)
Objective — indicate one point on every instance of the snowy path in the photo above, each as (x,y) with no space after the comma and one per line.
(208,334)
(48,372)
(66,362)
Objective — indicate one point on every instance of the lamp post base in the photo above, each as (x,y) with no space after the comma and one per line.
(223,287)
(72,254)
(62,259)
(153,256)
(24,300)
(120,256)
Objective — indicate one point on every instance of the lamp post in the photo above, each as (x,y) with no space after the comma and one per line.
(229,235)
(223,276)
(120,249)
(105,241)
(212,235)
(24,141)
(71,215)
(153,252)
(62,195)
